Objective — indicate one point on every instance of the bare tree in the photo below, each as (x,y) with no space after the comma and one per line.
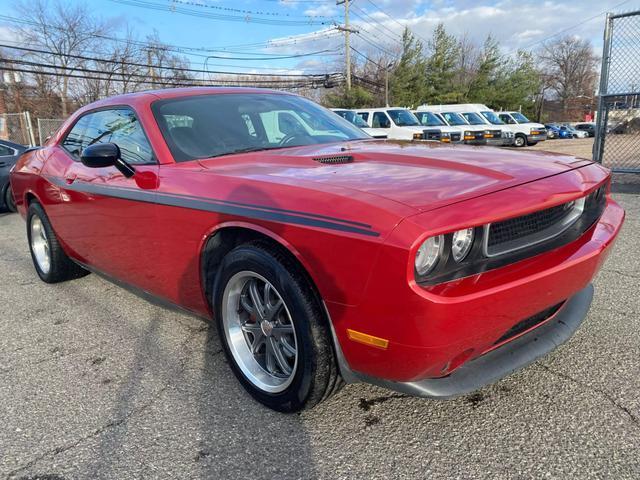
(66,30)
(569,69)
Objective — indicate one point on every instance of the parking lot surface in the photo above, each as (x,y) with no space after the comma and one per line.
(99,384)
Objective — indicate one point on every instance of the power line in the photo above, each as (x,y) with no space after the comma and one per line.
(236,10)
(147,65)
(392,35)
(396,21)
(188,50)
(220,16)
(178,83)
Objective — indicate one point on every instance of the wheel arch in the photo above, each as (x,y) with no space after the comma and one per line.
(225,237)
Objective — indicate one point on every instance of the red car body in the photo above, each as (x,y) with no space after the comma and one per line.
(354,227)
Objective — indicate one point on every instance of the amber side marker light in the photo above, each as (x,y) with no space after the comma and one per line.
(367,339)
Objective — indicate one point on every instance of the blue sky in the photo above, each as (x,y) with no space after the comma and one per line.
(515,23)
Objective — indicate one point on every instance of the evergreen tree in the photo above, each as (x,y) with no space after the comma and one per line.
(408,81)
(441,68)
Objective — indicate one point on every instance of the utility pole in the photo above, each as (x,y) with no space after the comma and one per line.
(152,71)
(347,45)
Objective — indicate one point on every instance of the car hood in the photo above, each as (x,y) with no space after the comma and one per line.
(420,175)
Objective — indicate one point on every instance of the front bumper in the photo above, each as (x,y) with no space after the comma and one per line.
(432,331)
(475,139)
(536,138)
(502,361)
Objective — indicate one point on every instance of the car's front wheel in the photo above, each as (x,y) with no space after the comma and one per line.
(49,259)
(520,141)
(273,329)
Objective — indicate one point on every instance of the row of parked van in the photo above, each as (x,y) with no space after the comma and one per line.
(473,124)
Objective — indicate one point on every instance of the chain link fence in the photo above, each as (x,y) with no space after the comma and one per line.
(47,127)
(617,144)
(17,127)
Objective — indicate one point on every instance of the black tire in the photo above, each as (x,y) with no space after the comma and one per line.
(9,201)
(520,141)
(62,268)
(531,144)
(316,377)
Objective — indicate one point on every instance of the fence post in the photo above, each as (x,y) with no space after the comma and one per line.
(32,137)
(601,124)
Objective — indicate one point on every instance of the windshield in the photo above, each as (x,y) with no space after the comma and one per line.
(454,119)
(204,126)
(353,118)
(429,119)
(492,117)
(403,118)
(474,118)
(520,118)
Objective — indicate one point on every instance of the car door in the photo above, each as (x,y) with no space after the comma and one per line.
(107,219)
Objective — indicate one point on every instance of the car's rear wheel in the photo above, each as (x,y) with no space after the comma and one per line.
(520,141)
(49,259)
(9,201)
(273,329)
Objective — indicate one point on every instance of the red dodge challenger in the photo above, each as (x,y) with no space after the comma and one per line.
(323,256)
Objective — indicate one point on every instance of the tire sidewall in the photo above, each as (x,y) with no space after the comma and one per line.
(520,141)
(35,210)
(9,201)
(248,258)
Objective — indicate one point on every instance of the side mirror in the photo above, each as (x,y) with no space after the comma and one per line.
(101,155)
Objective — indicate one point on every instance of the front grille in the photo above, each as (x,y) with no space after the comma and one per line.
(528,323)
(434,135)
(455,137)
(496,133)
(520,232)
(502,232)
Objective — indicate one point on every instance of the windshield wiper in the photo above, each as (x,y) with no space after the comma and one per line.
(243,150)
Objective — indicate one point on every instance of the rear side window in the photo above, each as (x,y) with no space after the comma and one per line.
(6,151)
(119,126)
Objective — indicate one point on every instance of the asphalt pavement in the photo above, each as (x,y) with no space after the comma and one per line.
(96,383)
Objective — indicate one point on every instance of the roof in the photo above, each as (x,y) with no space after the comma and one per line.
(181,92)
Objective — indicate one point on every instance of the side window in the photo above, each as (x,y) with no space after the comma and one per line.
(380,120)
(77,140)
(364,115)
(507,119)
(6,151)
(119,126)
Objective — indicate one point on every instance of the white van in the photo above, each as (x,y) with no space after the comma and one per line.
(472,134)
(399,123)
(526,131)
(498,134)
(449,134)
(352,117)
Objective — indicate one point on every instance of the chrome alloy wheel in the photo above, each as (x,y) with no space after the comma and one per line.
(259,331)
(40,245)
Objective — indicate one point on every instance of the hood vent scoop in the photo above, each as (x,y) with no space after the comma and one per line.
(334,159)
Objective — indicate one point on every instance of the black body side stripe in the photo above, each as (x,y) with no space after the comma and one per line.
(219,206)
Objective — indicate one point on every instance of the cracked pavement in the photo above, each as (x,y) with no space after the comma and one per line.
(99,384)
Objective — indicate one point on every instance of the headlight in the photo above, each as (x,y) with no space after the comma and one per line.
(461,244)
(417,136)
(428,255)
